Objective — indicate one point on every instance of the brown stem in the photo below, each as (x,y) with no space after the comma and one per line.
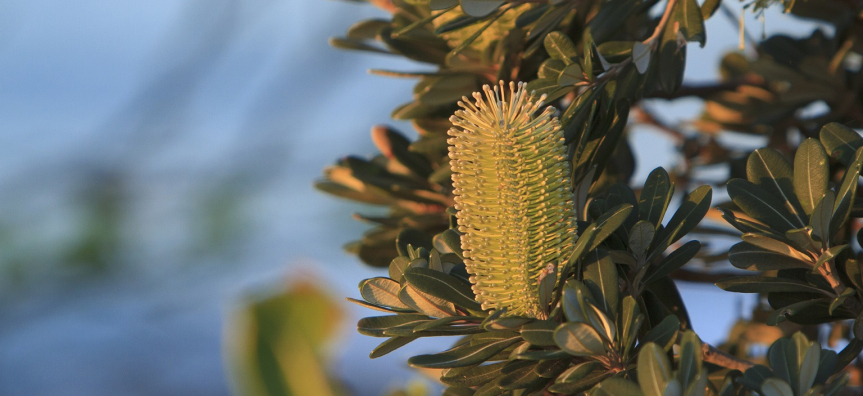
(715,356)
(666,16)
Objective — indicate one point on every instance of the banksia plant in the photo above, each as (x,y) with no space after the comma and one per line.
(512,196)
(518,228)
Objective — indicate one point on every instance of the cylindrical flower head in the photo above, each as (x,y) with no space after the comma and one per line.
(513,196)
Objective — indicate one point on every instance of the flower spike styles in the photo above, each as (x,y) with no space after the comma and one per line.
(513,196)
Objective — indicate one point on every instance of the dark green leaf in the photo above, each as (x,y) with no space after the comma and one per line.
(374,326)
(480,8)
(539,333)
(382,291)
(690,359)
(766,284)
(829,254)
(344,43)
(779,315)
(579,339)
(462,356)
(750,257)
(811,174)
(518,374)
(609,222)
(776,387)
(472,376)
(579,371)
(426,304)
(442,286)
(570,75)
(775,245)
(655,197)
(691,23)
(600,274)
(768,169)
(821,217)
(560,47)
(784,366)
(849,353)
(640,237)
(840,141)
(581,385)
(390,345)
(673,261)
(654,370)
(687,217)
(531,15)
(846,193)
(761,205)
(615,387)
(709,7)
(664,334)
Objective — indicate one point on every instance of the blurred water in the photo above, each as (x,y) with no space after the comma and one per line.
(178,141)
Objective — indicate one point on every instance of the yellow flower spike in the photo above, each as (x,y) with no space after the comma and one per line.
(513,196)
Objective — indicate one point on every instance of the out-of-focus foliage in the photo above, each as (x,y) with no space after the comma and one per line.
(277,343)
(609,319)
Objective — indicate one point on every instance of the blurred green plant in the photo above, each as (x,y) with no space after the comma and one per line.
(276,343)
(604,315)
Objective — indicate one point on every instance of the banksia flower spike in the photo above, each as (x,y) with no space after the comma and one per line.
(513,196)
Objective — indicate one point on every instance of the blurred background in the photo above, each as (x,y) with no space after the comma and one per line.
(156,169)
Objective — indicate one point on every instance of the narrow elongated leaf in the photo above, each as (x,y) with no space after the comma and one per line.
(811,174)
(774,245)
(795,310)
(709,7)
(560,47)
(761,205)
(767,284)
(784,366)
(442,286)
(608,223)
(382,291)
(472,376)
(577,372)
(769,169)
(426,304)
(462,356)
(551,368)
(840,141)
(691,25)
(585,383)
(674,261)
(600,274)
(690,359)
(809,368)
(750,257)
(846,193)
(443,322)
(654,370)
(518,374)
(640,237)
(579,339)
(664,334)
(390,345)
(655,197)
(539,333)
(374,326)
(821,217)
(690,213)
